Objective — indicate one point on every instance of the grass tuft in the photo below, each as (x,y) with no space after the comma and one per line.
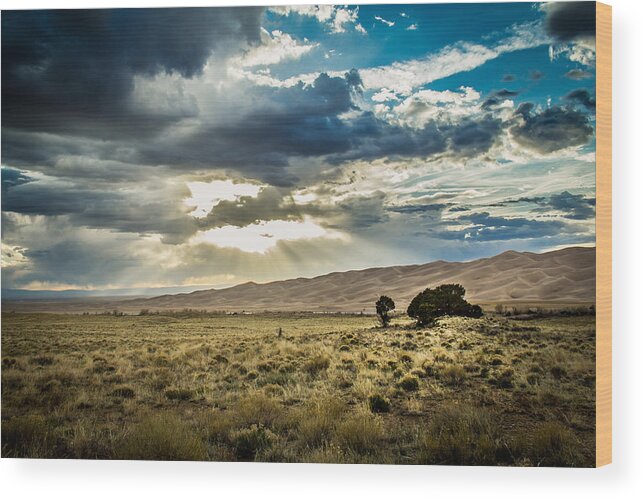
(161,437)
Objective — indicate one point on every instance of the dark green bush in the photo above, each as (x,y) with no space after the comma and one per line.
(446,299)
(124,392)
(409,383)
(179,394)
(382,307)
(248,442)
(379,403)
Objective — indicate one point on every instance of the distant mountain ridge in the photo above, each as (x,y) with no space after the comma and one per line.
(565,276)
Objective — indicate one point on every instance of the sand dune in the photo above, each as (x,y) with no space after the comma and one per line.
(564,276)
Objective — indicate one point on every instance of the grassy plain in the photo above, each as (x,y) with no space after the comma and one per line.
(331,389)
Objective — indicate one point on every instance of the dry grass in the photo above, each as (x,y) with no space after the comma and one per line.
(332,388)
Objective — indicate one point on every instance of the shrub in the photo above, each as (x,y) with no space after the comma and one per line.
(12,383)
(317,420)
(42,360)
(257,408)
(379,403)
(409,345)
(248,442)
(372,363)
(330,454)
(265,367)
(558,372)
(273,390)
(461,435)
(429,368)
(550,398)
(453,374)
(101,367)
(551,444)
(218,425)
(50,386)
(446,299)
(162,437)
(405,358)
(220,359)
(316,364)
(382,307)
(409,383)
(26,436)
(361,432)
(179,394)
(288,367)
(86,440)
(503,379)
(9,363)
(124,392)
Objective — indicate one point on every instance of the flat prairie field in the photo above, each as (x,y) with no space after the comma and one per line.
(329,389)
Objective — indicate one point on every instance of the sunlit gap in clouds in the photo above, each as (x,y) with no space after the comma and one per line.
(263,236)
(206,195)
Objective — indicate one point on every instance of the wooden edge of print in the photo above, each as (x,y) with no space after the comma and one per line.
(603,234)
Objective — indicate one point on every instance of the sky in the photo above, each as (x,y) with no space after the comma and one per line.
(206,147)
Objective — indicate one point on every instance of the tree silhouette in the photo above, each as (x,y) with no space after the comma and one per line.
(446,299)
(383,306)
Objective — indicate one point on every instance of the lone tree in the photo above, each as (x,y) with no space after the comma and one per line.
(383,306)
(446,299)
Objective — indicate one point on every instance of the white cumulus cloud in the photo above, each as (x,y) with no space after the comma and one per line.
(276,47)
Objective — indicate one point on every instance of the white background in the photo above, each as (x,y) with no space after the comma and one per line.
(623,478)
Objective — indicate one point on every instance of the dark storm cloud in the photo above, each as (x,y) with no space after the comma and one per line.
(506,93)
(82,262)
(13,178)
(76,259)
(372,138)
(96,208)
(490,103)
(20,147)
(567,21)
(496,98)
(578,74)
(320,120)
(269,204)
(73,70)
(355,212)
(361,212)
(472,138)
(301,121)
(419,208)
(271,128)
(573,206)
(74,158)
(550,130)
(582,97)
(494,228)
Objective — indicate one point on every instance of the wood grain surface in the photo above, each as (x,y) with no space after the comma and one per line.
(603,234)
